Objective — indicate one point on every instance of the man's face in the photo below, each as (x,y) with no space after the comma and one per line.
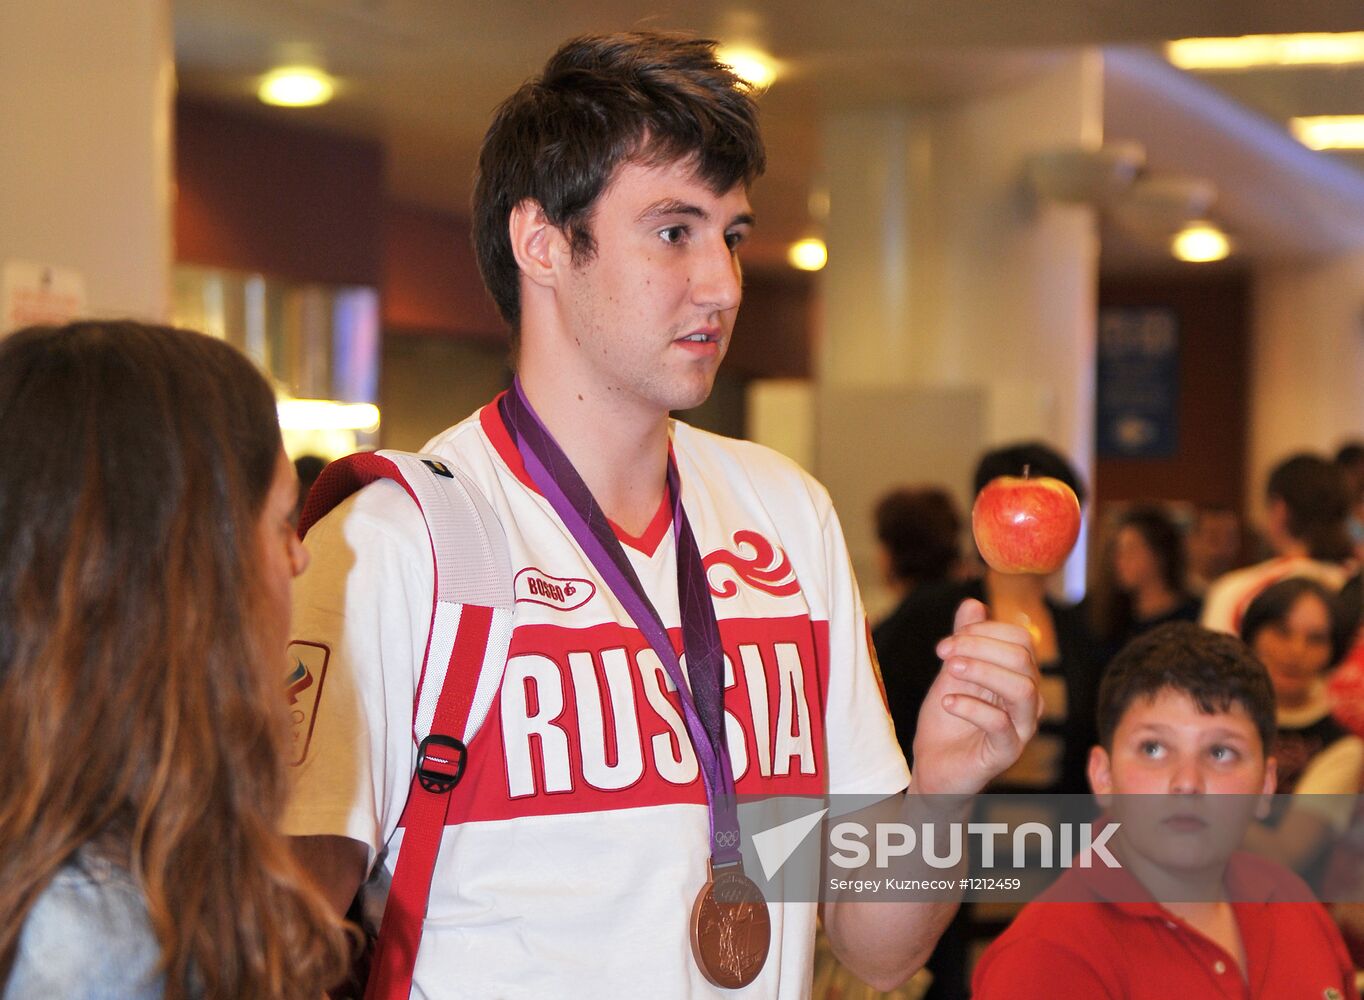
(652,311)
(1169,763)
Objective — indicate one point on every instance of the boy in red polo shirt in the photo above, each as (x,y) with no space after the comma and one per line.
(1184,714)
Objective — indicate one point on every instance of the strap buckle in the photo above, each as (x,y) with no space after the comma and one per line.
(440,769)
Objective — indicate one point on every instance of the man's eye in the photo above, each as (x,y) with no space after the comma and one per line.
(732,240)
(673,234)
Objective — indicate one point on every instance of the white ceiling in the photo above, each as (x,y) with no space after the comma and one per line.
(423,76)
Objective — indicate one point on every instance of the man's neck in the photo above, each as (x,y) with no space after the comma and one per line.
(620,451)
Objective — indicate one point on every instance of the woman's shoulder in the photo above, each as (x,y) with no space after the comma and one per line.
(87,937)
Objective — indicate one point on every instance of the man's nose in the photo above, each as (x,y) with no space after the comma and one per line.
(718,280)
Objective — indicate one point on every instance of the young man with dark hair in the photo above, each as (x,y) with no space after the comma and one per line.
(598,801)
(1185,715)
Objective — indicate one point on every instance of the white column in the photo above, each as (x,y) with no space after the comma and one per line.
(85,121)
(1307,363)
(959,311)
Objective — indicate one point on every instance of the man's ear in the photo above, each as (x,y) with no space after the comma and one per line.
(1100,774)
(536,243)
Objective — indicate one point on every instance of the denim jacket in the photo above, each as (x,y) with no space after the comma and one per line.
(87,938)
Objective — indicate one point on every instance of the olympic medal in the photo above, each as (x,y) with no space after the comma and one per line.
(730,929)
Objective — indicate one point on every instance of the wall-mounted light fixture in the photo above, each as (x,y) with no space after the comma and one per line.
(809,254)
(327,415)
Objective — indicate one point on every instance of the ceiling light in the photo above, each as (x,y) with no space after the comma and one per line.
(1329,131)
(752,65)
(296,87)
(1248,51)
(327,415)
(808,255)
(1200,243)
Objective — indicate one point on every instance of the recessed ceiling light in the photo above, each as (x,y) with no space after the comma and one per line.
(1200,243)
(296,87)
(750,64)
(1329,131)
(1247,51)
(808,254)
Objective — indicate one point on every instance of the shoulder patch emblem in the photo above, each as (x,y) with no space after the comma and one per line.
(303,687)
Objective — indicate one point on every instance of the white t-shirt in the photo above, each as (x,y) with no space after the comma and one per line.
(1230,594)
(578,838)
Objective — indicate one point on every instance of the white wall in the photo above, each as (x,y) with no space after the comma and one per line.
(1307,369)
(85,123)
(949,281)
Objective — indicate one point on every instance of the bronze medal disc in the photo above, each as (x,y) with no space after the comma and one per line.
(730,929)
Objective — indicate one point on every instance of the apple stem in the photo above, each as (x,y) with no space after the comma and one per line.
(1026,470)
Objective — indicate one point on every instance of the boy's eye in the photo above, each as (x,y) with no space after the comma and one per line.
(1222,754)
(1151,749)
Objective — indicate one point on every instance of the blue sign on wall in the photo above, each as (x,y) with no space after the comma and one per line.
(1137,391)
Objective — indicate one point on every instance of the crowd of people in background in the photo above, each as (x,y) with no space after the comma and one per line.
(1291,592)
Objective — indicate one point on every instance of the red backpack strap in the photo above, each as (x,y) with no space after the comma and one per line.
(466,651)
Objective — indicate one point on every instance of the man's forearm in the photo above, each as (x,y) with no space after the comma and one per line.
(885,942)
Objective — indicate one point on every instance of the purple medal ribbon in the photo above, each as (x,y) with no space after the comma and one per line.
(702,700)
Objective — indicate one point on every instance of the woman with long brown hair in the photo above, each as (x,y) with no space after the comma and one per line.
(146,553)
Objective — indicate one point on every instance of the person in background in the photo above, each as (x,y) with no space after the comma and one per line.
(147,548)
(1305,526)
(1067,656)
(308,467)
(1350,462)
(1185,715)
(1143,579)
(1214,546)
(919,534)
(1294,627)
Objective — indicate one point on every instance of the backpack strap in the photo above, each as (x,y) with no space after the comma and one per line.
(466,652)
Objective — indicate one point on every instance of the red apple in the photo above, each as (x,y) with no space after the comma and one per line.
(1025,525)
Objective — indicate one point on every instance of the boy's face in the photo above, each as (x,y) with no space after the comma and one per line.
(652,311)
(1167,757)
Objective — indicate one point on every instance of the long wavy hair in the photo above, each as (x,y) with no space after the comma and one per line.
(139,709)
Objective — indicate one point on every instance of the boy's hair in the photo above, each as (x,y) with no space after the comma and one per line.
(1038,458)
(1216,670)
(603,100)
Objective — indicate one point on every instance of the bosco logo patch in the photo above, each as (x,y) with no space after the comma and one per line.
(552,591)
(303,687)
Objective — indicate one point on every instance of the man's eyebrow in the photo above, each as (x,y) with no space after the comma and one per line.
(672,206)
(675,206)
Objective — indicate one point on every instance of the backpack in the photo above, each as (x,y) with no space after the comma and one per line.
(466,653)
